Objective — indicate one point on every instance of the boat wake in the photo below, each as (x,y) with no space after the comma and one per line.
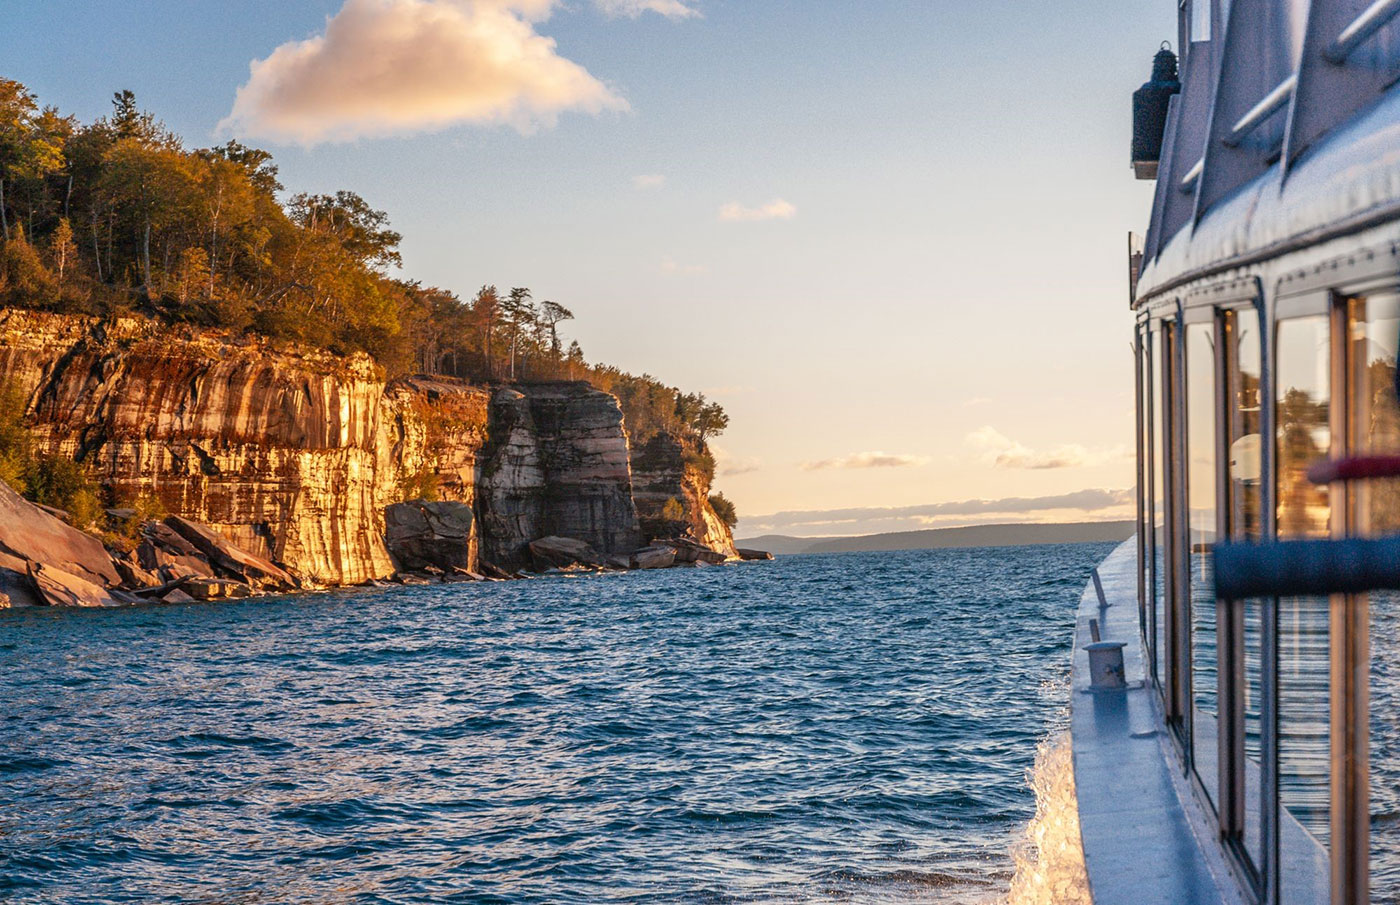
(1050,859)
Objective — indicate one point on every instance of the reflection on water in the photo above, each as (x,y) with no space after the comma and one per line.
(852,728)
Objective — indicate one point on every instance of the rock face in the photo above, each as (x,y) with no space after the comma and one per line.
(666,470)
(293,456)
(422,533)
(276,450)
(556,463)
(29,534)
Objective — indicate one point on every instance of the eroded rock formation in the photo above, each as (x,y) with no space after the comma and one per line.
(294,455)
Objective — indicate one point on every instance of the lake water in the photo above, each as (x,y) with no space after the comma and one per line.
(845,728)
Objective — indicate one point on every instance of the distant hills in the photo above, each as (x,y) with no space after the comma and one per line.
(937,538)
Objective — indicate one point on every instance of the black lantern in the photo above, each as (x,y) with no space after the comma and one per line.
(1150,113)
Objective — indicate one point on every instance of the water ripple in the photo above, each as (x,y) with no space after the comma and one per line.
(852,728)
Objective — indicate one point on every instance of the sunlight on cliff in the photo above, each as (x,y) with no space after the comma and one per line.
(1050,859)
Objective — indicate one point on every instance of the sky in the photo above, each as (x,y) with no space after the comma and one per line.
(889,237)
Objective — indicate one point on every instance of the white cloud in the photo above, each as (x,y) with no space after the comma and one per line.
(1088,504)
(648,181)
(874,459)
(777,209)
(1003,452)
(669,265)
(395,67)
(729,465)
(671,9)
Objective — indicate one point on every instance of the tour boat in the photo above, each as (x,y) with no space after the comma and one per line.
(1235,727)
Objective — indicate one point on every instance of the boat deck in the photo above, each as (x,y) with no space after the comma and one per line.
(1140,843)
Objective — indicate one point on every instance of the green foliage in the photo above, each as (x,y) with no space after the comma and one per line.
(724,509)
(673,511)
(702,462)
(15,452)
(125,533)
(64,484)
(422,485)
(48,479)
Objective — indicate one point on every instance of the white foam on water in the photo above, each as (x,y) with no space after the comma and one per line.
(1050,859)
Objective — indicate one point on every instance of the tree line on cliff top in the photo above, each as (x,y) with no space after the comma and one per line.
(117,216)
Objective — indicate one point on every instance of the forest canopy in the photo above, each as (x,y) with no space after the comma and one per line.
(117,216)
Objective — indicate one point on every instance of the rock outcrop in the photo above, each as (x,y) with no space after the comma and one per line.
(291,458)
(274,449)
(556,463)
(671,485)
(423,533)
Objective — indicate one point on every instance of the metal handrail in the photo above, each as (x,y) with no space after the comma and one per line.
(1189,180)
(1272,103)
(1362,27)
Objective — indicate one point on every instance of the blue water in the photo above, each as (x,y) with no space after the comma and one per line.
(842,728)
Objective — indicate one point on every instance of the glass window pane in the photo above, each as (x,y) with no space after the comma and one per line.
(1374,422)
(1201,527)
(1302,415)
(1159,555)
(1245,519)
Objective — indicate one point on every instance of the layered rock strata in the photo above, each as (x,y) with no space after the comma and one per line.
(556,463)
(293,455)
(669,470)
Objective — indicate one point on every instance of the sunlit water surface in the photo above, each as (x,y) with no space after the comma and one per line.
(846,728)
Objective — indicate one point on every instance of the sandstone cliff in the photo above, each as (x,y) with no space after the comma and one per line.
(294,455)
(671,485)
(556,464)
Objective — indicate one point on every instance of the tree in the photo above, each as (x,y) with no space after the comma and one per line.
(724,509)
(62,250)
(17,109)
(551,314)
(152,187)
(361,231)
(710,421)
(487,308)
(520,314)
(575,360)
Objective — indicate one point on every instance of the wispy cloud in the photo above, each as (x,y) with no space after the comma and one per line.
(1003,452)
(777,209)
(397,67)
(671,9)
(1090,503)
(648,181)
(875,459)
(670,265)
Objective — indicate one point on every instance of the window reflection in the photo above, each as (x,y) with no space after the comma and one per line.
(1200,496)
(1161,373)
(1240,334)
(1302,414)
(1374,427)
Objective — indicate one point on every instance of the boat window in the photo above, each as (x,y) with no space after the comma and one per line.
(1303,435)
(1201,533)
(1200,20)
(1160,373)
(1244,516)
(1374,425)
(1144,481)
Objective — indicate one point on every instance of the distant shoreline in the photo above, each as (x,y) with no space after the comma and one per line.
(1008,535)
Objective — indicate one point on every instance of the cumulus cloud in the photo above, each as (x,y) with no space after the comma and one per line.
(1096,503)
(671,9)
(394,67)
(1003,452)
(777,209)
(874,459)
(648,181)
